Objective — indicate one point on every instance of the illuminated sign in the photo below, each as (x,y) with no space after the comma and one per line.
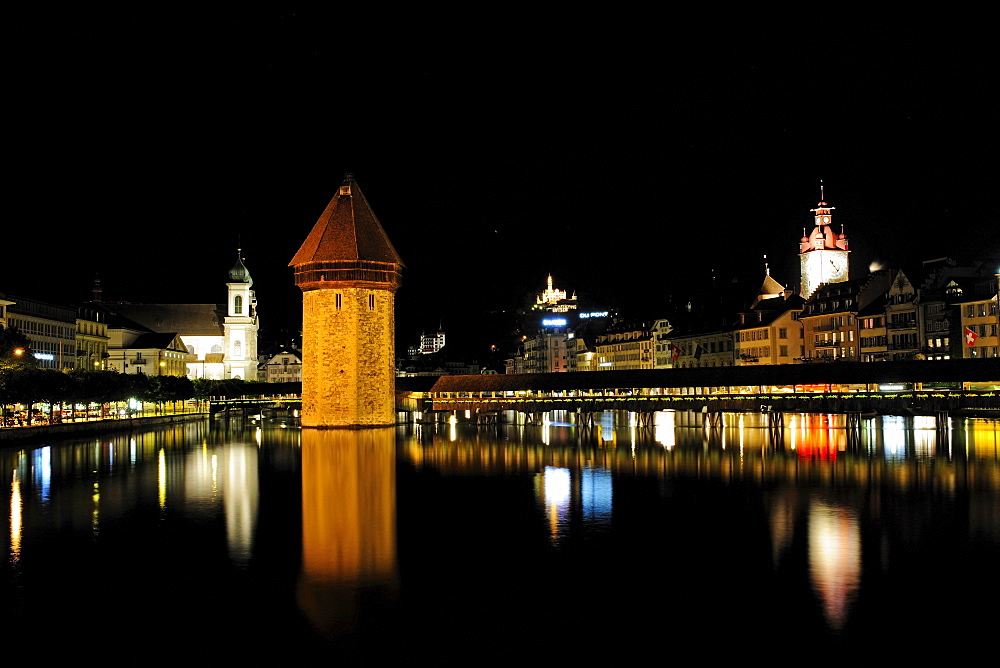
(554,322)
(595,314)
(44,356)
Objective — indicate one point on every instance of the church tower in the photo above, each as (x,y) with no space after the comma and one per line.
(240,324)
(349,272)
(822,253)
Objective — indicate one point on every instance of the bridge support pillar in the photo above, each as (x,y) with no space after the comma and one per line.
(712,419)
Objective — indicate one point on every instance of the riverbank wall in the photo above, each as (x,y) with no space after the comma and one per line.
(18,435)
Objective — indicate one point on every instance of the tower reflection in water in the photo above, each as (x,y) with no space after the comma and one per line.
(349,567)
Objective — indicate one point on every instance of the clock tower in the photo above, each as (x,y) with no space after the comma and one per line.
(822,252)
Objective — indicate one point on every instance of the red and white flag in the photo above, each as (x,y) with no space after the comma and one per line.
(970,337)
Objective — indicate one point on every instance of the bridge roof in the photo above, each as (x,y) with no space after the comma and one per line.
(778,374)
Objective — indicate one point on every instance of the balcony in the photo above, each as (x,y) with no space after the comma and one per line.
(138,360)
(827,344)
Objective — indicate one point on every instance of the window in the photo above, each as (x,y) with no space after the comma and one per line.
(371,302)
(238,304)
(340,301)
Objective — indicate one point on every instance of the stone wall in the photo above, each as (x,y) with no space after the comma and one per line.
(348,351)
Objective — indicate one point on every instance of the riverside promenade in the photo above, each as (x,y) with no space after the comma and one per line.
(67,429)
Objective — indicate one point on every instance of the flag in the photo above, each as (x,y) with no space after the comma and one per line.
(698,350)
(675,352)
(970,337)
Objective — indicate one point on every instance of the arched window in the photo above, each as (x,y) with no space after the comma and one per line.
(237,349)
(238,304)
(216,348)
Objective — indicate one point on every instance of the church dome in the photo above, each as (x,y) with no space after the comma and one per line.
(239,273)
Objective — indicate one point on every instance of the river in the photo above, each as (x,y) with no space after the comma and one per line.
(221,541)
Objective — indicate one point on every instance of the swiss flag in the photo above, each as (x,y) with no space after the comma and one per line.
(970,337)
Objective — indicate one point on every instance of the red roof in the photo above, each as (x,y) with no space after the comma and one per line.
(347,230)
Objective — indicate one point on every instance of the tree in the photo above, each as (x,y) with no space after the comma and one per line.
(15,349)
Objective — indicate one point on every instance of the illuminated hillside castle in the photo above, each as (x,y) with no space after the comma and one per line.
(348,271)
(554,300)
(822,253)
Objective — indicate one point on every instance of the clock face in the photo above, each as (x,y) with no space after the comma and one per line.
(826,219)
(835,268)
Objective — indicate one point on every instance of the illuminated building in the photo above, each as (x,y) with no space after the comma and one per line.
(978,321)
(91,340)
(830,318)
(50,328)
(873,333)
(221,338)
(902,335)
(283,367)
(240,324)
(546,353)
(822,252)
(135,349)
(663,350)
(707,349)
(626,347)
(4,303)
(349,273)
(429,343)
(954,299)
(769,332)
(554,300)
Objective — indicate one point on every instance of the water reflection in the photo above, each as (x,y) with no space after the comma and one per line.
(348,527)
(450,538)
(834,558)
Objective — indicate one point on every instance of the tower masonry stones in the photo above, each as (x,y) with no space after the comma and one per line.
(348,271)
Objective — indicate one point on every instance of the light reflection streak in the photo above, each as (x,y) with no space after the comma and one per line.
(95,513)
(664,428)
(240,497)
(834,559)
(554,489)
(16,517)
(41,469)
(161,477)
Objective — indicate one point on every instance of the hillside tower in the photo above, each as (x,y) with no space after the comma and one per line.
(349,272)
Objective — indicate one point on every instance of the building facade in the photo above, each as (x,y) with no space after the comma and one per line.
(91,340)
(50,328)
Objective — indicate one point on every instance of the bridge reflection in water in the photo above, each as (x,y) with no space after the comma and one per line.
(895,497)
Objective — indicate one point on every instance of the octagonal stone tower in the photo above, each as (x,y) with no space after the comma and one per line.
(348,271)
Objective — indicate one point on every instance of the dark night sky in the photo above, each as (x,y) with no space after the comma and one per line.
(620,153)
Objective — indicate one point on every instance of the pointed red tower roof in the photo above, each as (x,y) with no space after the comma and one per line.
(347,243)
(347,230)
